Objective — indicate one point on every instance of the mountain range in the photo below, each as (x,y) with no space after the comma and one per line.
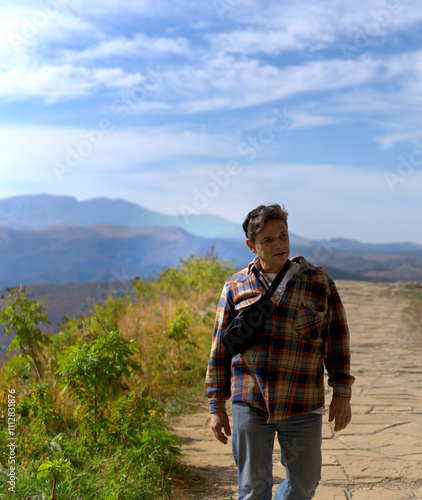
(72,254)
(33,212)
(57,239)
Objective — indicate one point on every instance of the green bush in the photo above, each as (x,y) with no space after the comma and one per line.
(195,275)
(22,316)
(92,402)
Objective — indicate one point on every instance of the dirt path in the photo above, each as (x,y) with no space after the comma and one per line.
(379,455)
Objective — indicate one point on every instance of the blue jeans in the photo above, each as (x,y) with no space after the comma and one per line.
(253,444)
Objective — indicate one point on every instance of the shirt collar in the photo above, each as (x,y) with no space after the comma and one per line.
(254,266)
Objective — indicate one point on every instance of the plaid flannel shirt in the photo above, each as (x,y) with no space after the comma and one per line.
(284,374)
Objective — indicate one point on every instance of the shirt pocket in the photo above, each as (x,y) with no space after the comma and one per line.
(246,301)
(309,320)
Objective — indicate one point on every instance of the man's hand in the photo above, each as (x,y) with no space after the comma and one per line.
(340,412)
(220,421)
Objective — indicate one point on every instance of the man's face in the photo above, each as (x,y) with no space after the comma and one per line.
(272,245)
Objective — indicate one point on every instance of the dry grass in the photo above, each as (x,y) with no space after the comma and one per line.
(169,367)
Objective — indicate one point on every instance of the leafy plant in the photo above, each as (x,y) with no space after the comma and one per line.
(58,468)
(22,316)
(178,330)
(94,422)
(110,312)
(195,275)
(94,369)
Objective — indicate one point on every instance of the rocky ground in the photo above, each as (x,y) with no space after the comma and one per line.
(379,455)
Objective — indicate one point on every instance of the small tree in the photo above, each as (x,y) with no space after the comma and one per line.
(178,330)
(22,317)
(56,469)
(94,368)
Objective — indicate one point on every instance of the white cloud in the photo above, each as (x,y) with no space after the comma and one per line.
(388,140)
(219,82)
(64,82)
(148,8)
(304,119)
(27,28)
(128,163)
(312,25)
(131,148)
(213,79)
(140,46)
(30,35)
(279,28)
(229,83)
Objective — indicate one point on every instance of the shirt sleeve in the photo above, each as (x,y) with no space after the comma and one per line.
(218,377)
(337,347)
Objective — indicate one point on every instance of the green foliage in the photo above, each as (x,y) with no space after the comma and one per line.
(94,423)
(195,275)
(94,369)
(95,366)
(17,367)
(111,310)
(149,448)
(178,328)
(145,290)
(38,408)
(22,316)
(57,469)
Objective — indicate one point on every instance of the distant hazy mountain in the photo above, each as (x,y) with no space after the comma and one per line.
(108,252)
(37,211)
(57,239)
(83,250)
(41,211)
(68,253)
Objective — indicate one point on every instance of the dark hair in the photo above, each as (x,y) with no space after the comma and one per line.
(257,218)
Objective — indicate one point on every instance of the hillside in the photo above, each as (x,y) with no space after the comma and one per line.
(99,253)
(36,211)
(96,253)
(56,239)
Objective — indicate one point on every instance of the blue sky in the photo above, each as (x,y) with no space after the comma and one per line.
(216,107)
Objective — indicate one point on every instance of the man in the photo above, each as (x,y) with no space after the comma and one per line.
(277,386)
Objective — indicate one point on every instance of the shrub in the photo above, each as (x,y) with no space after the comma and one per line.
(22,316)
(93,422)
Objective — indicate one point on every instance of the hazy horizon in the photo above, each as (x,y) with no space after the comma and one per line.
(292,232)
